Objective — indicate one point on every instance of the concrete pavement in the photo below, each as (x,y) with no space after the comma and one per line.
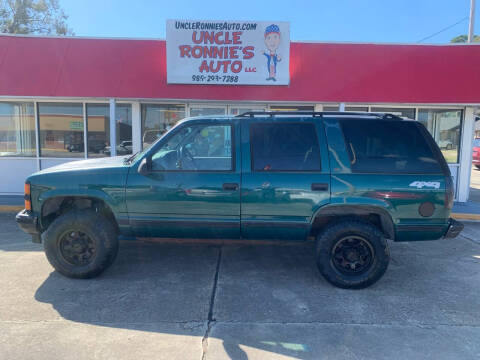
(189,301)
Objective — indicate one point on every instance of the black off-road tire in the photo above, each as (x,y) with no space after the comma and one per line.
(102,236)
(370,237)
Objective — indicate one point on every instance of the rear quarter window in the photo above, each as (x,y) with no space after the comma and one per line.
(377,146)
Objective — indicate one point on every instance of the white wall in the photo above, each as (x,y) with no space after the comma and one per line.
(13,173)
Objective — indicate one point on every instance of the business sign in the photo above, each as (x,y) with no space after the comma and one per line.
(228,53)
(76,125)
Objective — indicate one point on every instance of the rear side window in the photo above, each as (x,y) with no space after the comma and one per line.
(388,147)
(284,147)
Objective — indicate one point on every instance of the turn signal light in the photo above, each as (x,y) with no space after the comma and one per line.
(28,197)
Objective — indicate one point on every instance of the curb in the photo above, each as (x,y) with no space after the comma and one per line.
(11,208)
(466,216)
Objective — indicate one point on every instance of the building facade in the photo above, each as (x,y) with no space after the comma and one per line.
(65,99)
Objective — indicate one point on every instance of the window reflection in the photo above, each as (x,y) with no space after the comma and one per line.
(61,130)
(207,111)
(17,129)
(445,127)
(331,108)
(123,114)
(158,119)
(291,108)
(408,113)
(197,147)
(98,129)
(241,110)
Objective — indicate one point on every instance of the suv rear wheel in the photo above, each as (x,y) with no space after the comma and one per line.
(81,244)
(352,254)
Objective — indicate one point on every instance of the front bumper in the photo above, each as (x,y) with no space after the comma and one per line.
(29,224)
(454,228)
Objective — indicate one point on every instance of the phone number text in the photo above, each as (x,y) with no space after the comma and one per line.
(215,78)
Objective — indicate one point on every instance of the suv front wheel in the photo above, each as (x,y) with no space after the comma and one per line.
(81,243)
(352,254)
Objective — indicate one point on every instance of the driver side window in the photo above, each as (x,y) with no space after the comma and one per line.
(196,147)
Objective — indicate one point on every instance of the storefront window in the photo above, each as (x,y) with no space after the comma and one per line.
(61,130)
(158,119)
(123,114)
(17,129)
(408,113)
(445,127)
(98,129)
(207,111)
(356,108)
(241,110)
(331,108)
(291,108)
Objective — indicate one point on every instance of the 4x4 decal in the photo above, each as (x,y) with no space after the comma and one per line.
(422,184)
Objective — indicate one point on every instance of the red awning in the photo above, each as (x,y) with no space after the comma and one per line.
(319,72)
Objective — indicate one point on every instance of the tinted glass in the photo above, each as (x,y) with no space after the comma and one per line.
(387,147)
(284,147)
(61,130)
(198,147)
(17,129)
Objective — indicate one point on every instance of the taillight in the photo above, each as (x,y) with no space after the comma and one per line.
(448,192)
(28,197)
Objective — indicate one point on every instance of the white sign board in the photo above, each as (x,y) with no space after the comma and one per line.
(228,53)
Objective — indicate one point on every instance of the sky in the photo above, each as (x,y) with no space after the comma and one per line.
(383,21)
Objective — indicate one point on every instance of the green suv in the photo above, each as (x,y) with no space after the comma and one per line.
(351,181)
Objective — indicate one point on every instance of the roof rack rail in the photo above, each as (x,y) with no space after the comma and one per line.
(320,114)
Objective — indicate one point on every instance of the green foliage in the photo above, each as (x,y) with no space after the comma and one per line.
(33,17)
(464,38)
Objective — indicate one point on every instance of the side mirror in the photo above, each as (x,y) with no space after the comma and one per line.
(145,166)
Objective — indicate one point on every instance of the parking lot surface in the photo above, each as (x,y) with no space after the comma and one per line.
(240,301)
